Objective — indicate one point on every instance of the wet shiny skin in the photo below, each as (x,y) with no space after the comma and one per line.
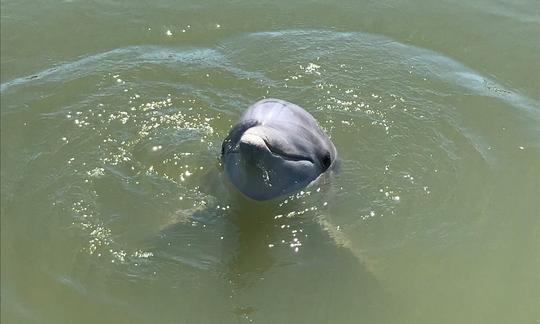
(276,148)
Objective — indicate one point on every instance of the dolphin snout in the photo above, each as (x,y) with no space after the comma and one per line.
(251,146)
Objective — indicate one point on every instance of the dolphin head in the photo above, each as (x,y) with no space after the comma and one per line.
(270,157)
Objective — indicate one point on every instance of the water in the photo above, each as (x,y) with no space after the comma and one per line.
(114,208)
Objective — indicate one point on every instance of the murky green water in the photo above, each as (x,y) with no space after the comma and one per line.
(114,208)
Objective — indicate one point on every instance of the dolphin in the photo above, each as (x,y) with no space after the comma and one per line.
(275,148)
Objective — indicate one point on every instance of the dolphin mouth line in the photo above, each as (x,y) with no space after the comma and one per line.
(286,156)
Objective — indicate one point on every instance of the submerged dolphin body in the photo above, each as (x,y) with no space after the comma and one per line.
(275,149)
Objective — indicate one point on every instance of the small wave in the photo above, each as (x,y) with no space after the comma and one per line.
(122,59)
(425,61)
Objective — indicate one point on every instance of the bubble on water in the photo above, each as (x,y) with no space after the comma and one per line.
(168,32)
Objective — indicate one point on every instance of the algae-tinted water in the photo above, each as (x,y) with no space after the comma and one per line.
(114,208)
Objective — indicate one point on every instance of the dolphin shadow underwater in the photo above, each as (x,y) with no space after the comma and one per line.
(254,255)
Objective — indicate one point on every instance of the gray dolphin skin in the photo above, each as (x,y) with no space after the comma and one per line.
(275,149)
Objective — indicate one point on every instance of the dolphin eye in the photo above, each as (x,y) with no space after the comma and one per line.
(326,161)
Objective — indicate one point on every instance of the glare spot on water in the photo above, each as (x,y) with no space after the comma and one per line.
(119,255)
(312,68)
(96,172)
(142,254)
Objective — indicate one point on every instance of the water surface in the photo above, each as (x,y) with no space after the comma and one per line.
(114,207)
